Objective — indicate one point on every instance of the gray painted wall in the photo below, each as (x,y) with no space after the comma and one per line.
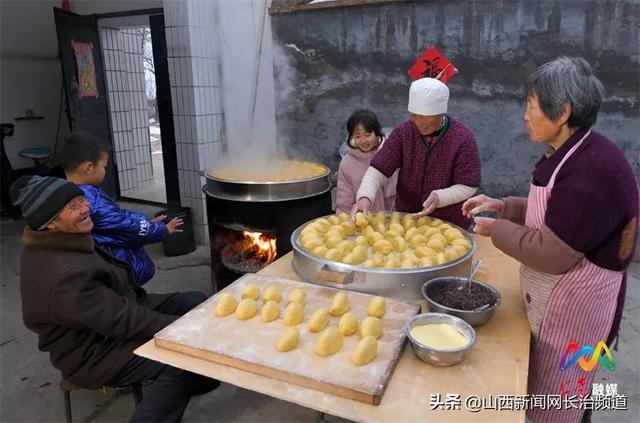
(329,62)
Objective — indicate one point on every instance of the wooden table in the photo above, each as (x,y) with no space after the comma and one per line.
(497,364)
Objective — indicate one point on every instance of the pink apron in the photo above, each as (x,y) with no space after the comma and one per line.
(578,305)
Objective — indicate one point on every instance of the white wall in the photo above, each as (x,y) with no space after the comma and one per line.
(241,24)
(192,32)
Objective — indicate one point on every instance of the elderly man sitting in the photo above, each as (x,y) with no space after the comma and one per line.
(87,311)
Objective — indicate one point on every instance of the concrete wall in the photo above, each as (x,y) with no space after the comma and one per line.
(329,62)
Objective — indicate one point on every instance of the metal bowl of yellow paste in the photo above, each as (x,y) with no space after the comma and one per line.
(440,339)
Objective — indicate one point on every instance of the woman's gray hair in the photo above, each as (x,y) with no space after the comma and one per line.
(567,80)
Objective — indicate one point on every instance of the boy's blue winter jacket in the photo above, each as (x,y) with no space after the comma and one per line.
(122,233)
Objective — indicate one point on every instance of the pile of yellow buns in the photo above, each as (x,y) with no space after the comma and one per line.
(386,241)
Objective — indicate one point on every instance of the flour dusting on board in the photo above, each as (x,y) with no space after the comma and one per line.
(250,344)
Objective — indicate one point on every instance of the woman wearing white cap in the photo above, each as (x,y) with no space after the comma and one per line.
(437,157)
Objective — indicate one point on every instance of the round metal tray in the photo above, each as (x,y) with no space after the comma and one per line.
(267,191)
(404,284)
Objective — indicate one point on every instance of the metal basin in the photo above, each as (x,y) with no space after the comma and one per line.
(474,317)
(402,284)
(440,357)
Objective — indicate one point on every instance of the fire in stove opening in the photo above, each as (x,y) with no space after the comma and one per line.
(266,246)
(249,251)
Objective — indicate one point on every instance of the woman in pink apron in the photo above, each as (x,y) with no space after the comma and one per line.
(574,234)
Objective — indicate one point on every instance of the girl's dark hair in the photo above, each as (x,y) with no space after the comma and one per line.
(369,122)
(80,147)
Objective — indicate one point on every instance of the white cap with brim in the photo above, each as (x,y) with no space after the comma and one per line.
(428,97)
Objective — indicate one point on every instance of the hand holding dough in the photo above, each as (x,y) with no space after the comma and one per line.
(339,304)
(366,351)
(270,311)
(377,307)
(293,314)
(371,326)
(288,339)
(252,290)
(361,220)
(297,296)
(246,309)
(272,293)
(318,320)
(348,324)
(329,342)
(226,305)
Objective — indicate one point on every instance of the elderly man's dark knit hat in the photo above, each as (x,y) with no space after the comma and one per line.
(41,198)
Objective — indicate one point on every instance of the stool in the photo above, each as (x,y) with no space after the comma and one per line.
(36,154)
(67,387)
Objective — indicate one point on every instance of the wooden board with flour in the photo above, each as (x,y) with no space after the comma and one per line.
(250,345)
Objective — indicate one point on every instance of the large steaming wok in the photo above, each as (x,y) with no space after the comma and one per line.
(268,186)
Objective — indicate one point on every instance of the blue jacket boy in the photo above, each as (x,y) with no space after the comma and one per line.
(121,233)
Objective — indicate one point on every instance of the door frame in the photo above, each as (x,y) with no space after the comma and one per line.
(165,108)
(172,199)
(153,11)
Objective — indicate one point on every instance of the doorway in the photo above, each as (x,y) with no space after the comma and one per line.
(134,47)
(133,90)
(149,183)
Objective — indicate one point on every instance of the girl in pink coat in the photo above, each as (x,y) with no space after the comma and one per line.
(365,137)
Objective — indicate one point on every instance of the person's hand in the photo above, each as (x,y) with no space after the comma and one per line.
(174,225)
(429,205)
(480,203)
(483,225)
(159,218)
(363,205)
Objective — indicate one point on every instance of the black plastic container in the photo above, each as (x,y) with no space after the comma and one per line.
(180,243)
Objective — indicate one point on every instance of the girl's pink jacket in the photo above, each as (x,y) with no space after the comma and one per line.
(352,168)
